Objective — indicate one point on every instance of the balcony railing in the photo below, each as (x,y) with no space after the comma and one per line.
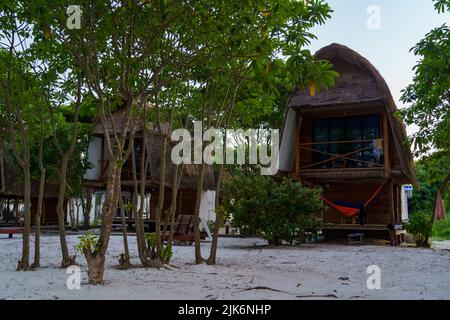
(343,154)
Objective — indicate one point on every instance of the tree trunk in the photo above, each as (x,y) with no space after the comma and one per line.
(161,194)
(96,260)
(125,260)
(198,252)
(96,267)
(173,206)
(139,224)
(213,250)
(87,206)
(66,259)
(24,263)
(37,232)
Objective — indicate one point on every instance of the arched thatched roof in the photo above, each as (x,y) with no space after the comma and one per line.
(359,83)
(155,140)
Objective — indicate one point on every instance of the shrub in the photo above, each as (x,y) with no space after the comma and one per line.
(419,226)
(441,228)
(88,243)
(278,211)
(166,250)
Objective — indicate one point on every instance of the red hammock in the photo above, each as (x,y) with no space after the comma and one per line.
(350,211)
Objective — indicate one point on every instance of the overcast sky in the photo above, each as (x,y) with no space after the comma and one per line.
(402,23)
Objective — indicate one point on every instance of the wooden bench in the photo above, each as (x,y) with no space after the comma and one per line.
(10,231)
(183,230)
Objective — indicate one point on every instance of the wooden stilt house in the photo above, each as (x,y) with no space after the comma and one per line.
(95,178)
(348,141)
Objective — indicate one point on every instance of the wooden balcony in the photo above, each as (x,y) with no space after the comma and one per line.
(341,159)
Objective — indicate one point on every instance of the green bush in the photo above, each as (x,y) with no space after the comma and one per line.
(278,211)
(441,228)
(166,250)
(419,226)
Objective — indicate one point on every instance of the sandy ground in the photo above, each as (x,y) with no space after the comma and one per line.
(246,269)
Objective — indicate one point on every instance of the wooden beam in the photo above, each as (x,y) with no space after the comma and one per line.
(386,143)
(391,201)
(297,144)
(399,203)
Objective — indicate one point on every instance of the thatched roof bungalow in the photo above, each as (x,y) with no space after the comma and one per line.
(348,141)
(99,157)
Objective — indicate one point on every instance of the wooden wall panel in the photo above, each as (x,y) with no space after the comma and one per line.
(377,211)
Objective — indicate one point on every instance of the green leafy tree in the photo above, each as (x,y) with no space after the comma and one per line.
(428,100)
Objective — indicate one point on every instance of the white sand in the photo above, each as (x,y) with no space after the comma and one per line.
(297,273)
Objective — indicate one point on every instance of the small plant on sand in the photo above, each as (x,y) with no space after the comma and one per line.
(88,243)
(419,226)
(166,250)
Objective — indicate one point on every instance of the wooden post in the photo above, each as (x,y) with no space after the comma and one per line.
(399,204)
(386,144)
(392,211)
(297,145)
(391,201)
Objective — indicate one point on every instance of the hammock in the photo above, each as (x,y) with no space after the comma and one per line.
(349,209)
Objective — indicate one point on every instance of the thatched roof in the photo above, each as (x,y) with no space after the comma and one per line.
(117,120)
(155,139)
(190,171)
(359,83)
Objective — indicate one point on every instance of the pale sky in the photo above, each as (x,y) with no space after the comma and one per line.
(402,24)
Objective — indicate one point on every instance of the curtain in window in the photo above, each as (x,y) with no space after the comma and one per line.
(356,128)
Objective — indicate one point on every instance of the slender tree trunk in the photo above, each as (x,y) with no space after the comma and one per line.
(138,218)
(198,252)
(173,206)
(161,194)
(213,250)
(96,260)
(87,206)
(37,232)
(24,263)
(125,260)
(66,259)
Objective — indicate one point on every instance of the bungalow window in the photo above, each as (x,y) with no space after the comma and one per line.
(349,142)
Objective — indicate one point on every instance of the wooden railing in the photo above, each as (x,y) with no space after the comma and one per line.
(351,154)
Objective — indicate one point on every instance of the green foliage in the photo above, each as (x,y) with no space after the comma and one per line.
(420,227)
(442,5)
(441,228)
(88,243)
(279,211)
(428,96)
(166,250)
(422,198)
(150,240)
